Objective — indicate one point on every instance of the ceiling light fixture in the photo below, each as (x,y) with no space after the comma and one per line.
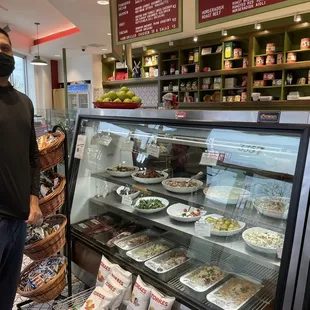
(171,43)
(104,49)
(258,26)
(109,33)
(105,56)
(195,38)
(57,55)
(103,2)
(297,18)
(224,33)
(144,48)
(37,61)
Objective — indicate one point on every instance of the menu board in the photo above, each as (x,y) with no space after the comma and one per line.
(209,12)
(139,20)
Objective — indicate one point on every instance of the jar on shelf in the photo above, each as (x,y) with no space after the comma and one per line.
(228,64)
(245,62)
(170,87)
(196,55)
(279,59)
(270,60)
(184,69)
(172,69)
(191,57)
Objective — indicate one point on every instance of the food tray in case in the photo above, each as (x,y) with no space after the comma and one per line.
(139,258)
(123,245)
(156,264)
(199,290)
(223,296)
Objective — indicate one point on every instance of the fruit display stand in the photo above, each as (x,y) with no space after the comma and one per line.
(53,243)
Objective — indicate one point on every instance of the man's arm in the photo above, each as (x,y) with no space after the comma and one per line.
(34,159)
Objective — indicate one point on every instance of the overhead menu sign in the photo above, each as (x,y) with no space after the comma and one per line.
(139,20)
(212,12)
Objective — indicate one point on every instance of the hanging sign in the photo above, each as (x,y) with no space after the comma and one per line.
(218,11)
(140,20)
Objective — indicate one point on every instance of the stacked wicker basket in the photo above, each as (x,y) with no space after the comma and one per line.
(50,156)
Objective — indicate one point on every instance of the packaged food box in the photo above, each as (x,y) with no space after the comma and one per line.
(150,250)
(269,76)
(93,226)
(202,279)
(234,293)
(228,49)
(170,264)
(135,240)
(230,82)
(259,83)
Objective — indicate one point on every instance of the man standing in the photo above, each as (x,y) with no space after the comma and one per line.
(19,175)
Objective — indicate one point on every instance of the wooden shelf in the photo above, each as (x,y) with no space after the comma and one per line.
(194,64)
(169,91)
(188,91)
(286,66)
(262,55)
(235,88)
(149,66)
(206,90)
(262,87)
(212,54)
(137,81)
(298,85)
(169,60)
(298,51)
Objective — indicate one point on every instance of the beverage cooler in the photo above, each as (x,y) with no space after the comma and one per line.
(79,96)
(208,207)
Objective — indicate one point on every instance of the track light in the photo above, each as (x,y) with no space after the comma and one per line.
(297,18)
(144,48)
(258,26)
(171,43)
(195,39)
(224,33)
(105,56)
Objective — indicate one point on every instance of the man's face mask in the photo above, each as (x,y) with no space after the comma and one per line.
(7,65)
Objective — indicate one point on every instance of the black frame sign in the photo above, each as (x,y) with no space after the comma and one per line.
(268,117)
(140,20)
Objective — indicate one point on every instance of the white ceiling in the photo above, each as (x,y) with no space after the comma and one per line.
(94,22)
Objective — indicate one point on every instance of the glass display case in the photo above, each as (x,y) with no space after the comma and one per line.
(212,212)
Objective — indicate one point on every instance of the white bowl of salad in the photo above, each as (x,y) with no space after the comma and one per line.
(263,240)
(276,207)
(184,213)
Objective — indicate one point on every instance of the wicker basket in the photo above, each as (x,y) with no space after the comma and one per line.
(54,201)
(52,243)
(53,154)
(48,291)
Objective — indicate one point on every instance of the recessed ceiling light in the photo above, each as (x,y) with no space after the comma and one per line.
(57,55)
(109,33)
(103,2)
(104,49)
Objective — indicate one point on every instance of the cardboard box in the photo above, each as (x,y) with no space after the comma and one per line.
(230,82)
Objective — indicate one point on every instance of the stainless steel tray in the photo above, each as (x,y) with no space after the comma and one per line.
(134,254)
(122,244)
(199,291)
(154,264)
(223,303)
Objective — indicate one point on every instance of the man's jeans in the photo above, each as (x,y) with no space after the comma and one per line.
(12,241)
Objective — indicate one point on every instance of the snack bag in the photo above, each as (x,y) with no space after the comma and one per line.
(116,289)
(105,269)
(100,299)
(160,302)
(140,296)
(124,278)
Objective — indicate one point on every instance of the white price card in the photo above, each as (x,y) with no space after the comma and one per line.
(203,229)
(126,200)
(128,146)
(80,147)
(153,150)
(279,252)
(105,140)
(209,158)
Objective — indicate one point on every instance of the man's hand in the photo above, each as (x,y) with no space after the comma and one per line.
(35,214)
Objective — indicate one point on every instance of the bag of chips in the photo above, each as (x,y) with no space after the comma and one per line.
(160,302)
(100,299)
(124,278)
(116,289)
(140,296)
(105,269)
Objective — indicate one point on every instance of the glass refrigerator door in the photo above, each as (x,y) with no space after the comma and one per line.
(84,101)
(73,101)
(217,206)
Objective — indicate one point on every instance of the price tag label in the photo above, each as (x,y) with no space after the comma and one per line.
(279,253)
(126,200)
(128,146)
(80,147)
(105,140)
(209,159)
(153,150)
(203,229)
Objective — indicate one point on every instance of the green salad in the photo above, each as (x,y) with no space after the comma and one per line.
(150,204)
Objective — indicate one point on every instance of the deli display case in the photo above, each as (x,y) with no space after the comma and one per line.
(209,207)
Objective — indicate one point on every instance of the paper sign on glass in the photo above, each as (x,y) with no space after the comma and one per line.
(153,150)
(128,146)
(126,200)
(105,140)
(80,147)
(203,229)
(209,158)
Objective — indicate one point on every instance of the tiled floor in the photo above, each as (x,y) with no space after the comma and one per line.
(77,287)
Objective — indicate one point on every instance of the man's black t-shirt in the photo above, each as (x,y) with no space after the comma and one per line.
(19,156)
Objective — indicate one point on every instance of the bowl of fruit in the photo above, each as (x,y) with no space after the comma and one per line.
(184,213)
